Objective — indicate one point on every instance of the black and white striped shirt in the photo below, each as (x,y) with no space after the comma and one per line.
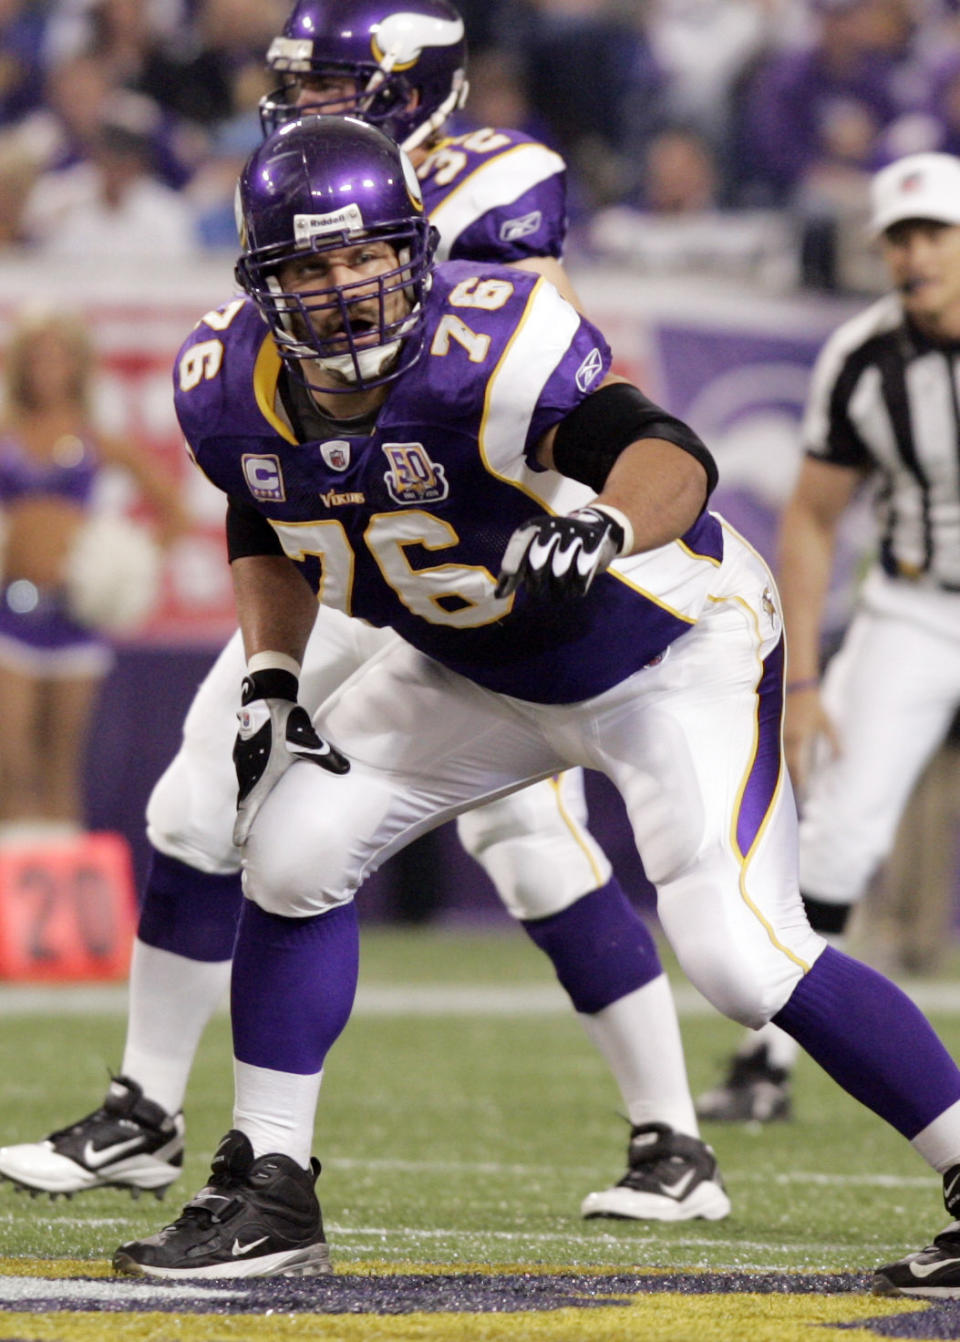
(883,397)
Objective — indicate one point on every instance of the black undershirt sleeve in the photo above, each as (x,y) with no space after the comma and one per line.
(249,532)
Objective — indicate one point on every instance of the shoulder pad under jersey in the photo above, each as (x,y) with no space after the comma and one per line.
(218,371)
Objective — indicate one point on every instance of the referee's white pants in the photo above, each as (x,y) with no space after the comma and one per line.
(891,691)
(684,741)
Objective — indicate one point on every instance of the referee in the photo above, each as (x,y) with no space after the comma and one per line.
(884,407)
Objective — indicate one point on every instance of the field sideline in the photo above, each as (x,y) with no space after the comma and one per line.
(464,1115)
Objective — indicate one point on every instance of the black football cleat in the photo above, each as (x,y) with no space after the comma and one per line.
(670,1177)
(933,1272)
(129,1142)
(753,1091)
(255,1218)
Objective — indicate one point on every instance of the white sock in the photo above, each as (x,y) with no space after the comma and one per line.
(276,1110)
(939,1141)
(171,1000)
(640,1038)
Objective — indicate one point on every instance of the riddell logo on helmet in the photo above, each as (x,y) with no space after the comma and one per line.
(306,227)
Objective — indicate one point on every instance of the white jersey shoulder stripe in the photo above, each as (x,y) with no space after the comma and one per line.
(536,347)
(495,182)
(880,317)
(670,577)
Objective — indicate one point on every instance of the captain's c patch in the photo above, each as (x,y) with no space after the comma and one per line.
(264,477)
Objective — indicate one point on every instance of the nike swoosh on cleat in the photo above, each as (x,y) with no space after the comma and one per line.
(239,1248)
(95,1159)
(949,1191)
(678,1189)
(922,1270)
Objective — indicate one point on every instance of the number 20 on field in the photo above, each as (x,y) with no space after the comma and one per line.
(67,912)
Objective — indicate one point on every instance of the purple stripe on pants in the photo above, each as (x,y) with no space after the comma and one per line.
(765,770)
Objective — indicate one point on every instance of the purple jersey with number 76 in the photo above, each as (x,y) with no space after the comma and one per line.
(406,525)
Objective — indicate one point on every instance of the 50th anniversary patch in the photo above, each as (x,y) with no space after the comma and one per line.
(79,1301)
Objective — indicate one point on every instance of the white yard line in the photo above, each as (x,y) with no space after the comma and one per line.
(819,1178)
(428,999)
(416,1168)
(22,1290)
(58,1222)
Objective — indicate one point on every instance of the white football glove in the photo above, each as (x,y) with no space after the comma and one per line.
(274,731)
(560,556)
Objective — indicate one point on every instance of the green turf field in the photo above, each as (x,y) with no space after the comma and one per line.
(464,1116)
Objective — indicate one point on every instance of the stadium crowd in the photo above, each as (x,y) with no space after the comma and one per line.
(763,126)
(113,112)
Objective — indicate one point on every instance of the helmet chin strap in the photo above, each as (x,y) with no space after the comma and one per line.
(369,363)
(451,102)
(454,99)
(364,364)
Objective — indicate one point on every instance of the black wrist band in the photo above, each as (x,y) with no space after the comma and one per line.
(270,683)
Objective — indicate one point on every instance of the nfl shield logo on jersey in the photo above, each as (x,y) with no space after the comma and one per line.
(336,453)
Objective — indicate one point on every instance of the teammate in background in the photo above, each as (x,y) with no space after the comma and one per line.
(492,194)
(466,420)
(883,408)
(65,580)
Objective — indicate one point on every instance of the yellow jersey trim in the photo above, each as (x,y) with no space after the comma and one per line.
(266,373)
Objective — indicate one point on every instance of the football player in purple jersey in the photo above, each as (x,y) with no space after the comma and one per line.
(493,195)
(442,449)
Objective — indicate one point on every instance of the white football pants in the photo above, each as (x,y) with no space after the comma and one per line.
(534,845)
(685,741)
(892,691)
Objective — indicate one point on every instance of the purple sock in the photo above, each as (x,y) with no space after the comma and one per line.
(600,947)
(189,912)
(294,980)
(873,1041)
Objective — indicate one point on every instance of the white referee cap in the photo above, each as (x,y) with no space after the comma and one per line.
(920,186)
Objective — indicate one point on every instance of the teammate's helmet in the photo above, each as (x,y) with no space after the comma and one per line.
(316,185)
(407,61)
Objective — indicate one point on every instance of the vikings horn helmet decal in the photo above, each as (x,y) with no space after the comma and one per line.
(317,185)
(406,60)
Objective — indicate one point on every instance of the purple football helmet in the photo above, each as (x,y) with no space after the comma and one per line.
(395,55)
(318,185)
